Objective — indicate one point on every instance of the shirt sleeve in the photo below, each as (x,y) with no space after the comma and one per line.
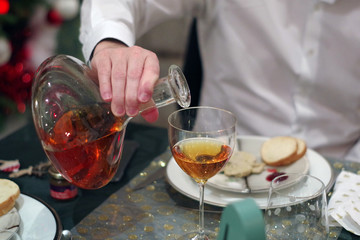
(126,20)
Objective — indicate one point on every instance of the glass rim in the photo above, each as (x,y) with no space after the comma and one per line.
(233,125)
(317,193)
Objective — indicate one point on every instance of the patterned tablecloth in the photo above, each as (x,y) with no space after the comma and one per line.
(159,212)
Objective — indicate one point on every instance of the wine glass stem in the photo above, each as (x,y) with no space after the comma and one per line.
(201,211)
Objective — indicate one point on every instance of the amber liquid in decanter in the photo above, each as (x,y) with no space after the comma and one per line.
(85,144)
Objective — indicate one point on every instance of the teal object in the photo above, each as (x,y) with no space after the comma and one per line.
(242,220)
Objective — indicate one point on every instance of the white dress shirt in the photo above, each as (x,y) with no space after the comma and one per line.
(283,67)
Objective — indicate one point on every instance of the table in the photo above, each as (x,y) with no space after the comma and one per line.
(25,146)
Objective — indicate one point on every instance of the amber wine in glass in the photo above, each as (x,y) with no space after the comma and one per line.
(202,141)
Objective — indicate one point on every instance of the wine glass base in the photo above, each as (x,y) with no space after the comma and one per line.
(208,235)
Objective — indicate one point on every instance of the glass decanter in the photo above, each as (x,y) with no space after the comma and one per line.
(77,129)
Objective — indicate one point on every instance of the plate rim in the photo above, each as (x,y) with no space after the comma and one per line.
(244,195)
(58,223)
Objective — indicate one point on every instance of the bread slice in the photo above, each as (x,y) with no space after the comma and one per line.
(279,151)
(9,192)
(240,164)
(301,150)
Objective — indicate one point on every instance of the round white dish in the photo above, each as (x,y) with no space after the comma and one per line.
(318,167)
(38,220)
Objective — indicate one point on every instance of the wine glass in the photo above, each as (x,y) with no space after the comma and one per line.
(296,208)
(202,140)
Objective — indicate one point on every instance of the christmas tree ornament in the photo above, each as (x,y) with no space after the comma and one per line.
(4,6)
(68,9)
(54,17)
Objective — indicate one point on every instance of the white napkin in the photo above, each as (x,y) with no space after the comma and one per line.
(9,165)
(344,204)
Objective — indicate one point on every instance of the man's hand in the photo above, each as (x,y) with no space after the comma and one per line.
(127,76)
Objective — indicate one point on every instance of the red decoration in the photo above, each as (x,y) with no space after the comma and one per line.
(54,17)
(16,83)
(4,6)
(16,76)
(9,165)
(17,21)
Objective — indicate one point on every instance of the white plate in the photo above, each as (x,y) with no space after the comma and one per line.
(256,182)
(38,220)
(319,167)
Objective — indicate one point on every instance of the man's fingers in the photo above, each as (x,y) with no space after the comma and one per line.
(126,76)
(135,69)
(118,81)
(103,69)
(149,77)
